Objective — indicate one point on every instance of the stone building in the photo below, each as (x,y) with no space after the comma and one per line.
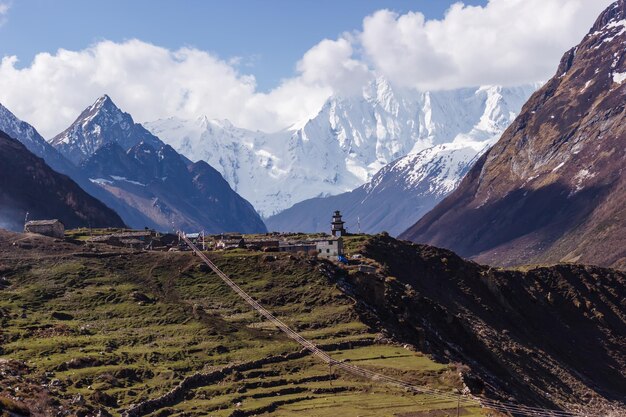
(52,228)
(331,248)
(295,247)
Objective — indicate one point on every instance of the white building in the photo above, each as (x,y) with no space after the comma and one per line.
(331,248)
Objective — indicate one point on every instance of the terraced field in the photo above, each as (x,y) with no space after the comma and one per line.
(87,330)
(305,387)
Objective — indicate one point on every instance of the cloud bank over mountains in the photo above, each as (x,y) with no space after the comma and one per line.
(507,42)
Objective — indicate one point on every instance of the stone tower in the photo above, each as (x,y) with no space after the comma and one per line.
(337,225)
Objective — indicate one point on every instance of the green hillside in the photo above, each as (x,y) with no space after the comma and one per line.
(90,329)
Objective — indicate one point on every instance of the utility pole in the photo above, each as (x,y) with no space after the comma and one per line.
(358,223)
(330,373)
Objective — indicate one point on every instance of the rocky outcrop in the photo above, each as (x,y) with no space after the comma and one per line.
(550,337)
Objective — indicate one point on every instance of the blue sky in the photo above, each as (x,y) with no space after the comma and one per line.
(269,36)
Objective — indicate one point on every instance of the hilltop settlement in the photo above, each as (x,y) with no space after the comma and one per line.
(320,245)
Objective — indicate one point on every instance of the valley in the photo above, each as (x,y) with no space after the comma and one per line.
(422,219)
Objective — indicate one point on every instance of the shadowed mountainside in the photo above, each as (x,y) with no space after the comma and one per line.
(553,188)
(550,336)
(27,184)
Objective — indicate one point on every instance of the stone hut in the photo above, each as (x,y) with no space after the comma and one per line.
(52,228)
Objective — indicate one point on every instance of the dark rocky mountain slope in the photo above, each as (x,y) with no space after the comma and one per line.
(552,337)
(34,142)
(27,184)
(553,188)
(169,191)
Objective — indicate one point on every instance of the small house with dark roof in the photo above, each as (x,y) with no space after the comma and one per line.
(52,228)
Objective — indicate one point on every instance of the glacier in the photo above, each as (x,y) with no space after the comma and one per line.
(346,143)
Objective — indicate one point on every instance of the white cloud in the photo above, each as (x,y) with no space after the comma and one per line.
(151,82)
(505,42)
(4,10)
(331,64)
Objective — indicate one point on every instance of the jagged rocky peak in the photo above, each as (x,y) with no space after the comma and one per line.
(613,16)
(105,104)
(101,123)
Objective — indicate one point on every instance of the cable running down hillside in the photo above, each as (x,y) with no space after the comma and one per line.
(463,399)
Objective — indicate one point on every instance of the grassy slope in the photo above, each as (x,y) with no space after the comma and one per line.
(132,350)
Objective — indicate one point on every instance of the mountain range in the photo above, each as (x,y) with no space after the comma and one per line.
(430,139)
(148,183)
(404,190)
(553,188)
(345,144)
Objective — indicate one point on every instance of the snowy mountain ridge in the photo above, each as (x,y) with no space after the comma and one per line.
(346,143)
(398,195)
(27,134)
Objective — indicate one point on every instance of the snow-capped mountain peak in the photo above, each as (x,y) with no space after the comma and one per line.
(345,144)
(101,123)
